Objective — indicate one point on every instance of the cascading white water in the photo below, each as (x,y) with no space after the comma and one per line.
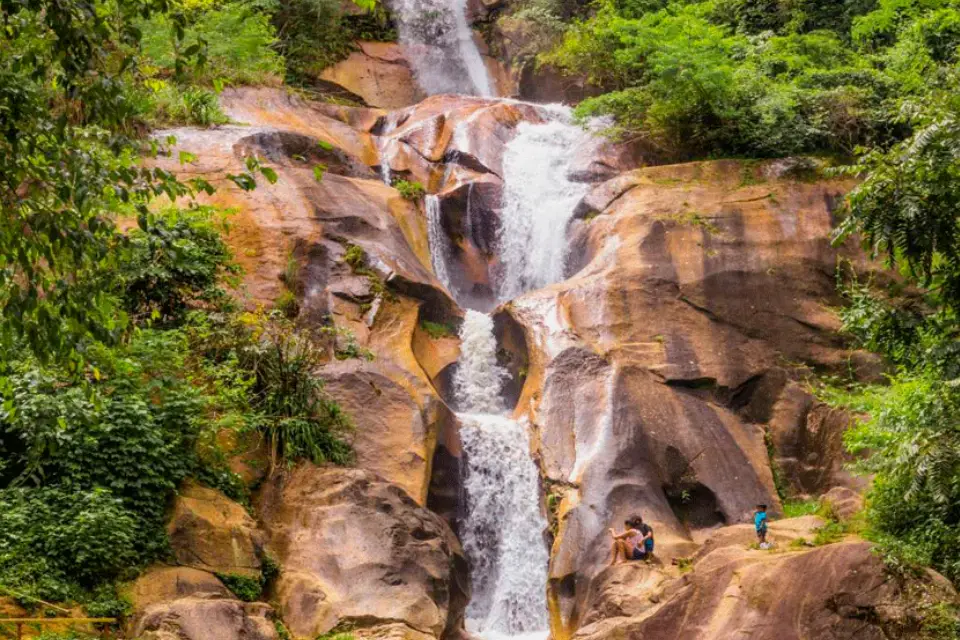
(439,44)
(538,201)
(503,526)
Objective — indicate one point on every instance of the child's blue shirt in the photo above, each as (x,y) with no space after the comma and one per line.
(760,519)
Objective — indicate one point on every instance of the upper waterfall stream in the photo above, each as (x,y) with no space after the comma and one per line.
(440,47)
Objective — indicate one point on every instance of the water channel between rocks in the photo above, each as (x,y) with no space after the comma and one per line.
(503,524)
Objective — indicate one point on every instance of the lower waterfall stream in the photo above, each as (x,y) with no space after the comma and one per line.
(503,523)
(502,527)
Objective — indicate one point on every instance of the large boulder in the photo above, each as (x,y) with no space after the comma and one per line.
(840,591)
(208,531)
(206,617)
(356,550)
(664,373)
(379,73)
(163,584)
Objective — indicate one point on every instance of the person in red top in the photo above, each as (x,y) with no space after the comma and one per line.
(635,543)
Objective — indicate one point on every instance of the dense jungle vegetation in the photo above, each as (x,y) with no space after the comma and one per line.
(123,355)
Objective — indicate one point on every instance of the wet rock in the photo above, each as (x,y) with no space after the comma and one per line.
(658,368)
(208,531)
(356,549)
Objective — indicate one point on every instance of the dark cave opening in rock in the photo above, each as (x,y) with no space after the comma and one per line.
(694,504)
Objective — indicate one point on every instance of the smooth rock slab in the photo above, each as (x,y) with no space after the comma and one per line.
(355,549)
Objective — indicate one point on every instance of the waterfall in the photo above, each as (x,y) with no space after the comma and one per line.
(538,201)
(439,45)
(439,243)
(503,527)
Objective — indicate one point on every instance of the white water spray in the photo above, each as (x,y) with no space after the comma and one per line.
(439,44)
(538,202)
(503,525)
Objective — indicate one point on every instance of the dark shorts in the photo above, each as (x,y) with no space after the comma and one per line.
(762,531)
(638,554)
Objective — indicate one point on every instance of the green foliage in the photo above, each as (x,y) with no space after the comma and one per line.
(760,77)
(437,330)
(238,42)
(246,588)
(264,370)
(409,190)
(355,257)
(799,508)
(299,22)
(176,261)
(167,104)
(68,82)
(915,453)
(906,206)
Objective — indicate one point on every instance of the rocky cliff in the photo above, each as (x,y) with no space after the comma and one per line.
(664,375)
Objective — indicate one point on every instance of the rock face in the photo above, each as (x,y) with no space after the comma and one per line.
(162,584)
(658,381)
(841,591)
(378,73)
(292,238)
(209,531)
(207,618)
(664,376)
(355,549)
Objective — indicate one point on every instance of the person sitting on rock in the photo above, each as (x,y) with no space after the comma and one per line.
(635,543)
(760,522)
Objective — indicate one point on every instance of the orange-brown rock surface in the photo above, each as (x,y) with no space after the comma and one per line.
(354,549)
(662,369)
(839,591)
(208,531)
(206,617)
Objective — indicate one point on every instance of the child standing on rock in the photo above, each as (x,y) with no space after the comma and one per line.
(760,522)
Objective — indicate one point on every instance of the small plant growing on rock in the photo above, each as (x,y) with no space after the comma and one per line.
(246,588)
(438,330)
(409,190)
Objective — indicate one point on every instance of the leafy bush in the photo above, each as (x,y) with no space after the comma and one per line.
(238,43)
(300,21)
(436,330)
(175,260)
(758,77)
(409,190)
(915,454)
(164,103)
(244,587)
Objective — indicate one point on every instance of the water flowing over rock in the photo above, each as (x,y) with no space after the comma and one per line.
(502,527)
(649,339)
(539,200)
(440,47)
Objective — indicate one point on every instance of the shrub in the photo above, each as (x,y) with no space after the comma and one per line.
(244,587)
(175,260)
(239,45)
(437,330)
(409,190)
(163,103)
